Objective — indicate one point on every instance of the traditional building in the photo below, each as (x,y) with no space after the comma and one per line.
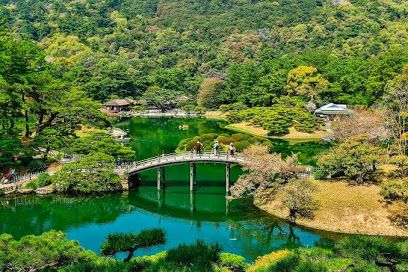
(331,111)
(117,105)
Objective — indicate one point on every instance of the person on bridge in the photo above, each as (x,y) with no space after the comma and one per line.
(198,147)
(231,149)
(216,148)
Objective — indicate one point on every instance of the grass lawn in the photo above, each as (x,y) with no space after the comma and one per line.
(218,115)
(85,130)
(248,128)
(298,135)
(346,209)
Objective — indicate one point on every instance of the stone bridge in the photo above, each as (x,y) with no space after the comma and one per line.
(159,162)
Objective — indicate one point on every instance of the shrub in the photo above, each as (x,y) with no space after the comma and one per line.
(36,165)
(320,174)
(234,106)
(356,158)
(31,185)
(288,263)
(196,257)
(376,250)
(233,262)
(130,242)
(278,118)
(43,180)
(94,173)
(189,108)
(45,252)
(396,189)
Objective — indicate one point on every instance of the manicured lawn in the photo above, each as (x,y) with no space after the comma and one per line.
(298,135)
(218,115)
(248,128)
(347,209)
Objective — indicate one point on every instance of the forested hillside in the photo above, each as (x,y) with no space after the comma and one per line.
(247,49)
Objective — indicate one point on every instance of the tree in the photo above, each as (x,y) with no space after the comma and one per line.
(355,158)
(209,94)
(93,173)
(161,98)
(396,102)
(265,171)
(11,149)
(361,122)
(49,139)
(298,199)
(66,50)
(306,81)
(395,190)
(196,257)
(380,251)
(401,162)
(101,142)
(48,251)
(130,242)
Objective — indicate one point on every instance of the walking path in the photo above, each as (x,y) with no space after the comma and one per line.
(176,158)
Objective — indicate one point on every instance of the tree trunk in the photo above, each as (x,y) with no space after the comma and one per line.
(27,126)
(47,150)
(41,126)
(130,255)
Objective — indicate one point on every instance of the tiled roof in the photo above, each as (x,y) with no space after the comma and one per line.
(117,102)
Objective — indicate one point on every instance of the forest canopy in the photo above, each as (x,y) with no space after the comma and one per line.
(122,47)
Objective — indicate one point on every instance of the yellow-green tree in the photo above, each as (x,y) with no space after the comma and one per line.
(305,81)
(209,92)
(396,101)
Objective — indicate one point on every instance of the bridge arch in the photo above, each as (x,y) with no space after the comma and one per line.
(159,162)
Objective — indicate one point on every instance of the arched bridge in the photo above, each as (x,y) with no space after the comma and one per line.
(161,161)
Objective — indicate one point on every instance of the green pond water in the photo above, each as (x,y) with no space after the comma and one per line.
(238,227)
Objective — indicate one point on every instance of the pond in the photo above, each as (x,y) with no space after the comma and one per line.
(238,227)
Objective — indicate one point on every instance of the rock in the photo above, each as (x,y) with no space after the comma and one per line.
(44,191)
(25,191)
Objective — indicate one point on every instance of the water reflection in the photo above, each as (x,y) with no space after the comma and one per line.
(186,217)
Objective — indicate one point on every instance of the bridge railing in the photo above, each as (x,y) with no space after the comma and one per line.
(174,157)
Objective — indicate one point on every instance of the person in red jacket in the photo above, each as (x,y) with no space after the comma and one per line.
(198,147)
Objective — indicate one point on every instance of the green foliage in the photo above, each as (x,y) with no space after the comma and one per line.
(320,174)
(94,173)
(125,48)
(9,147)
(374,250)
(163,99)
(49,250)
(237,106)
(401,162)
(241,141)
(355,158)
(298,199)
(395,189)
(195,257)
(354,253)
(101,142)
(43,179)
(209,93)
(288,263)
(278,118)
(233,262)
(130,242)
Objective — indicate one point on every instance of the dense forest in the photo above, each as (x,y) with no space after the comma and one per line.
(348,50)
(60,58)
